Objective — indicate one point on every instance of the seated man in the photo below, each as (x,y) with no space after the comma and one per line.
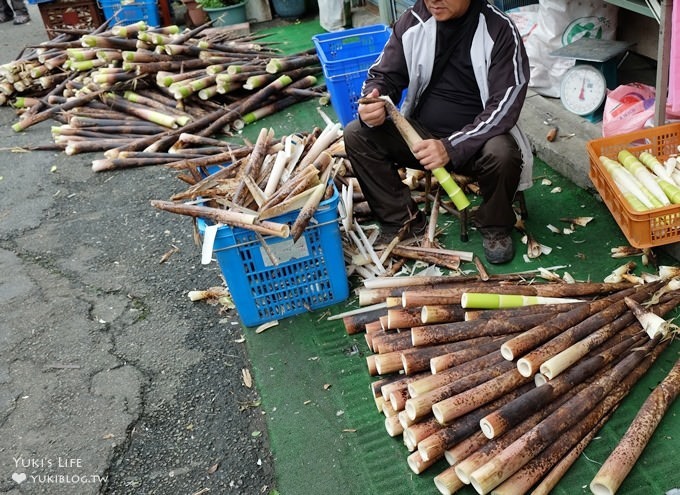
(466,71)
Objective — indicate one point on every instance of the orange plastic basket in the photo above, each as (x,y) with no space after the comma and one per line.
(642,229)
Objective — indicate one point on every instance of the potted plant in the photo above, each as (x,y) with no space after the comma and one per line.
(225,12)
(195,15)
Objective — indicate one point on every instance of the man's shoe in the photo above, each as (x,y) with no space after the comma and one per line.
(5,17)
(498,246)
(21,19)
(413,228)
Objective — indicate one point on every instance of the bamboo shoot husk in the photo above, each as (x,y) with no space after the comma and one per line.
(440,363)
(504,418)
(526,477)
(441,313)
(538,438)
(311,205)
(437,444)
(433,381)
(328,136)
(461,330)
(403,317)
(530,363)
(294,203)
(449,409)
(613,472)
(303,180)
(421,405)
(253,164)
(536,336)
(552,367)
(441,259)
(488,451)
(390,342)
(465,448)
(224,216)
(447,482)
(452,295)
(418,358)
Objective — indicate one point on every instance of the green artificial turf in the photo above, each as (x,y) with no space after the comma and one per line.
(326,433)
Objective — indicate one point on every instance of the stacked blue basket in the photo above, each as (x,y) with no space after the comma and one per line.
(124,12)
(345,58)
(513,4)
(307,275)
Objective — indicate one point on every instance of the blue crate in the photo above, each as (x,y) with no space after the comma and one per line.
(513,4)
(345,91)
(310,273)
(350,50)
(34,2)
(123,12)
(345,57)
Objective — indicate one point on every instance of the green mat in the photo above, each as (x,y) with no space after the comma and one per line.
(326,433)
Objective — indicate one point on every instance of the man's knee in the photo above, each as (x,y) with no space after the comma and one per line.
(501,154)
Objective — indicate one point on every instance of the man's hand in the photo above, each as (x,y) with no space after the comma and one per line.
(430,153)
(372,114)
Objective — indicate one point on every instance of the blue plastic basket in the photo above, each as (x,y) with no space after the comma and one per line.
(345,91)
(345,57)
(310,273)
(350,50)
(513,4)
(34,2)
(123,12)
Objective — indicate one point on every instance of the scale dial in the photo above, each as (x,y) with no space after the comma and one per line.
(583,89)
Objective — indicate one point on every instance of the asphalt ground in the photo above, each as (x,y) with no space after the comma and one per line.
(111,380)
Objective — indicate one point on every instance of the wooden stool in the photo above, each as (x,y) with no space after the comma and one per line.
(464,216)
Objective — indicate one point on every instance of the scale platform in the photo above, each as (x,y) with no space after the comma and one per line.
(602,54)
(584,87)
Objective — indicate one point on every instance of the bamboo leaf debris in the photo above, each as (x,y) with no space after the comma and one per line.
(503,426)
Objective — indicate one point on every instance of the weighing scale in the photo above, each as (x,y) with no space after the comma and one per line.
(584,86)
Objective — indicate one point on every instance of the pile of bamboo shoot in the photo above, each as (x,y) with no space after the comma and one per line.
(647,182)
(509,397)
(136,89)
(269,179)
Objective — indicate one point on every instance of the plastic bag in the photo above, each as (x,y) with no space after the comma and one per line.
(628,108)
(331,15)
(559,24)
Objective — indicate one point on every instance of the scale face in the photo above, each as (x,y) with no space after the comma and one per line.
(583,89)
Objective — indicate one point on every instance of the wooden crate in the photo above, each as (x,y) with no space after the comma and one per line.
(68,14)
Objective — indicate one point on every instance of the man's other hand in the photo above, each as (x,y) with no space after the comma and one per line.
(372,114)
